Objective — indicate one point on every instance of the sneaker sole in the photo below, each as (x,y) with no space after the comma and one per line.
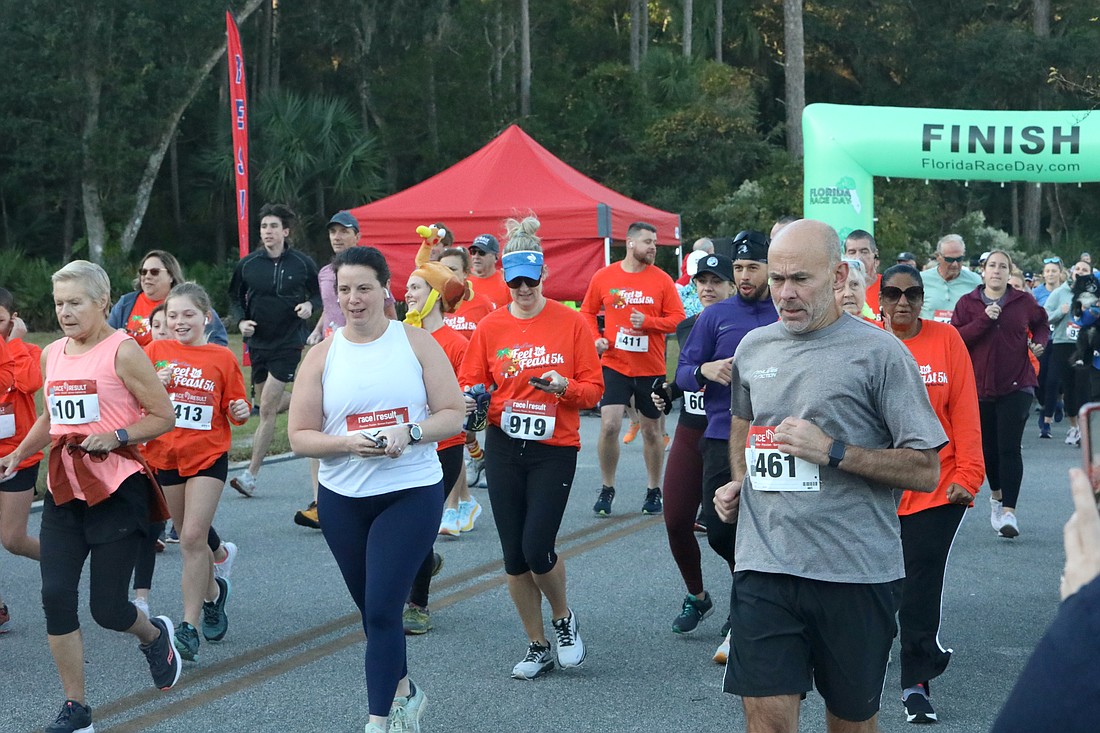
(417,632)
(170,629)
(1008,532)
(650,513)
(702,618)
(240,488)
(544,670)
(921,718)
(448,532)
(473,518)
(304,521)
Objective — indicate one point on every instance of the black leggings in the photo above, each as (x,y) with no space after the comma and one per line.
(926,539)
(529,485)
(112,532)
(451,460)
(147,556)
(716,472)
(1003,421)
(1059,380)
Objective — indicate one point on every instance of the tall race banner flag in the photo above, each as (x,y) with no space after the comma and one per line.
(238,101)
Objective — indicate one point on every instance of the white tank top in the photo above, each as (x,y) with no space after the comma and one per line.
(369,386)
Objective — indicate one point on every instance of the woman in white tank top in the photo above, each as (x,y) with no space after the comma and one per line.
(370,403)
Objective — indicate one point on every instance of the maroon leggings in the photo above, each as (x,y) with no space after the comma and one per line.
(683,490)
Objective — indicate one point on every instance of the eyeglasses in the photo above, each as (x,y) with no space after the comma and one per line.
(476,251)
(891,294)
(1052,261)
(518,282)
(151,272)
(960,258)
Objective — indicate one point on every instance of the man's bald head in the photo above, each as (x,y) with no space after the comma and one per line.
(809,234)
(805,267)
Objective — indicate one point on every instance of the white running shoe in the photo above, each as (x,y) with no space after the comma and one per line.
(1009,527)
(474,469)
(245,483)
(537,662)
(143,606)
(996,514)
(468,512)
(449,525)
(722,653)
(225,567)
(1073,436)
(570,646)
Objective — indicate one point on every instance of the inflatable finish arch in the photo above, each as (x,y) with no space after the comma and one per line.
(846,146)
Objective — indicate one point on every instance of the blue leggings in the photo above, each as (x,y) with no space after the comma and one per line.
(379,542)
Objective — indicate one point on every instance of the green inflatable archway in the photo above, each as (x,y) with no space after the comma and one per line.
(846,146)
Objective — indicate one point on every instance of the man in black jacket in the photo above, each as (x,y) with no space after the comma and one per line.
(272,295)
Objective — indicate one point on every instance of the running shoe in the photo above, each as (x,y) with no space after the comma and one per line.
(244,484)
(416,621)
(187,641)
(722,653)
(652,503)
(693,611)
(225,567)
(405,713)
(437,563)
(603,503)
(172,537)
(700,523)
(474,468)
(1073,436)
(449,525)
(374,728)
(142,605)
(570,646)
(468,512)
(725,630)
(1009,527)
(215,623)
(537,662)
(1059,411)
(918,706)
(164,663)
(308,517)
(159,545)
(73,718)
(996,514)
(631,432)
(5,617)
(1044,429)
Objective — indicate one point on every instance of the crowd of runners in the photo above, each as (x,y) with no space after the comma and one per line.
(835,422)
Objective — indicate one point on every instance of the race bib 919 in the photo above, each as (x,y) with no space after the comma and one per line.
(528,420)
(772,470)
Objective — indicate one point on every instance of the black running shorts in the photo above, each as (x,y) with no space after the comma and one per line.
(279,363)
(22,480)
(219,470)
(788,634)
(618,389)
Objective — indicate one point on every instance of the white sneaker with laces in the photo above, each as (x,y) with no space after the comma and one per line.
(244,484)
(449,525)
(474,469)
(570,647)
(536,663)
(468,512)
(996,514)
(722,653)
(225,567)
(1073,436)
(1009,527)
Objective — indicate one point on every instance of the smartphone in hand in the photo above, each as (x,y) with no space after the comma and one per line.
(538,382)
(1088,422)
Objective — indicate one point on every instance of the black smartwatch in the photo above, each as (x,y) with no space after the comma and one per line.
(836,453)
(699,378)
(122,436)
(415,433)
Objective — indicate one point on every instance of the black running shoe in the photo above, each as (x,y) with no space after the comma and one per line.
(693,611)
(187,641)
(214,621)
(918,708)
(603,503)
(652,503)
(73,718)
(164,663)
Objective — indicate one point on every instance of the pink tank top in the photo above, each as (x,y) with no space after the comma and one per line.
(84,395)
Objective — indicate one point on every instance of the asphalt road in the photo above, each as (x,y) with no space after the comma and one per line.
(292,660)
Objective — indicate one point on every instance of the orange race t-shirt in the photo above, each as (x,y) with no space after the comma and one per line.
(465,319)
(633,352)
(17,410)
(205,379)
(871,295)
(137,324)
(505,352)
(493,287)
(948,374)
(454,346)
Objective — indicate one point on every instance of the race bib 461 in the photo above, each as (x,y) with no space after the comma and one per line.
(770,469)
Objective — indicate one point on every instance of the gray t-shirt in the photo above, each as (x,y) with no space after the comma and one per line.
(861,386)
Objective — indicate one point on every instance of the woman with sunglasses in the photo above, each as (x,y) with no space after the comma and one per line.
(995,321)
(929,522)
(158,273)
(1054,275)
(539,357)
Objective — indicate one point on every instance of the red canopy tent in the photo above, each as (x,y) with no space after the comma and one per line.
(510,177)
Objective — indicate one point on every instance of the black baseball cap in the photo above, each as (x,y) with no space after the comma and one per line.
(717,264)
(486,243)
(902,256)
(751,245)
(344,219)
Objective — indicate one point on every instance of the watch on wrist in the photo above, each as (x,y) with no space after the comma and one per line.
(415,433)
(836,453)
(122,436)
(699,378)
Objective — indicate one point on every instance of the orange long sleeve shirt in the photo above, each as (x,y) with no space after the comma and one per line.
(468,314)
(948,374)
(18,400)
(505,352)
(454,346)
(633,352)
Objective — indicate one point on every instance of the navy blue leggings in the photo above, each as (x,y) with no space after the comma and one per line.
(379,542)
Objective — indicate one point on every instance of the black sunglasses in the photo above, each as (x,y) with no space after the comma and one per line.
(891,294)
(953,259)
(518,282)
(151,272)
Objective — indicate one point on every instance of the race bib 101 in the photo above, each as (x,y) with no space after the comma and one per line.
(772,470)
(528,420)
(73,401)
(194,410)
(629,339)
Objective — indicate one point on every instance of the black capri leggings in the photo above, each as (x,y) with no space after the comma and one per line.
(112,533)
(529,485)
(451,461)
(1003,421)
